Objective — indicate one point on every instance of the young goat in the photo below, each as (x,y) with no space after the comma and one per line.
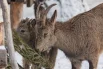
(80,38)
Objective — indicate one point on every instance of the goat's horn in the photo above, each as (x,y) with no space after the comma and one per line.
(45,13)
(37,15)
(47,10)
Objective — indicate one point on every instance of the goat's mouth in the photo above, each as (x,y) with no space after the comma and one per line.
(41,49)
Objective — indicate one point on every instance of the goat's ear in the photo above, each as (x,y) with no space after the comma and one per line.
(53,18)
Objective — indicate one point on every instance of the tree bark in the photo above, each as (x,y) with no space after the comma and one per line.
(16,11)
(8,34)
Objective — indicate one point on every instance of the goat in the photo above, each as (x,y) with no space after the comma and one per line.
(24,30)
(80,38)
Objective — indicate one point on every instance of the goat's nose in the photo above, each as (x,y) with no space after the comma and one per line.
(39,49)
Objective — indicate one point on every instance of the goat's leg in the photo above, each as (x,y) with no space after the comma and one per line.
(34,66)
(93,63)
(52,57)
(26,64)
(76,64)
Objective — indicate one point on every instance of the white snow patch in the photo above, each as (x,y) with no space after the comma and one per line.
(2,47)
(19,58)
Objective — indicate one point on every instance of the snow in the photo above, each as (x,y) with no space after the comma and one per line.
(2,47)
(28,12)
(93,3)
(19,58)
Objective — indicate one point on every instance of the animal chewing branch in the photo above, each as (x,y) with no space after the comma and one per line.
(30,54)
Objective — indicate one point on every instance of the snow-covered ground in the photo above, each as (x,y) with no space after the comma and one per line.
(93,3)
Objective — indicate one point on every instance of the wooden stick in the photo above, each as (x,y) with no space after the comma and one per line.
(16,13)
(8,34)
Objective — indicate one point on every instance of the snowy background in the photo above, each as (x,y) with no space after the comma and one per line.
(66,10)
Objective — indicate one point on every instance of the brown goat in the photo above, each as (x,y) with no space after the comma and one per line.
(25,32)
(80,38)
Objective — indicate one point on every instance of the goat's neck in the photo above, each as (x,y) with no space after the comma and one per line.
(65,38)
(62,36)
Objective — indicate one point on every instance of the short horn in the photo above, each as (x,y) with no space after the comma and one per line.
(44,15)
(37,13)
(47,10)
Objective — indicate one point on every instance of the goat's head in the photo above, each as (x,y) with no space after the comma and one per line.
(25,29)
(45,29)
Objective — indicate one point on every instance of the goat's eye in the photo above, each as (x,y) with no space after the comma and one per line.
(45,35)
(22,31)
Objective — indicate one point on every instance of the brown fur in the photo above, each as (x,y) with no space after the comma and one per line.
(81,38)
